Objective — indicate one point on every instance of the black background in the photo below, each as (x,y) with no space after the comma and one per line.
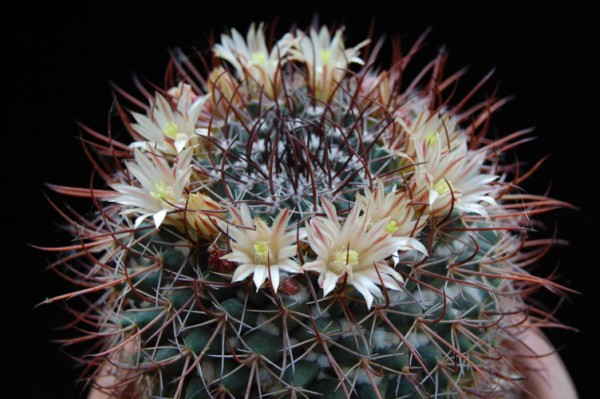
(56,62)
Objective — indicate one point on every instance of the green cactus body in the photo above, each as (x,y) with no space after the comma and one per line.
(287,226)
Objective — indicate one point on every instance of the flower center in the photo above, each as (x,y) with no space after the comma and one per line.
(162,191)
(170,129)
(391,227)
(443,186)
(431,138)
(259,58)
(262,253)
(343,260)
(326,56)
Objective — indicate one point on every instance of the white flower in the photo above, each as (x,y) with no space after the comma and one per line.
(379,88)
(157,187)
(259,249)
(171,130)
(446,178)
(326,58)
(252,59)
(183,94)
(224,92)
(420,126)
(396,207)
(354,252)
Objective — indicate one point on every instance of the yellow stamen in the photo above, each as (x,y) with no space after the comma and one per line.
(342,260)
(163,191)
(262,253)
(431,138)
(442,186)
(326,56)
(170,129)
(259,58)
(391,227)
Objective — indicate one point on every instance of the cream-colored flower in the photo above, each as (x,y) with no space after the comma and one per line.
(252,59)
(157,188)
(355,252)
(420,126)
(171,130)
(260,250)
(451,178)
(183,95)
(225,92)
(395,207)
(379,88)
(199,209)
(326,58)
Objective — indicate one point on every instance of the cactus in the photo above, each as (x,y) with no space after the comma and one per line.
(291,221)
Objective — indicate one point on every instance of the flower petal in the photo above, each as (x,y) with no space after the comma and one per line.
(242,271)
(260,275)
(159,217)
(274,277)
(329,282)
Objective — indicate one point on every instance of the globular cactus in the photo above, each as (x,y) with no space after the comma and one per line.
(292,221)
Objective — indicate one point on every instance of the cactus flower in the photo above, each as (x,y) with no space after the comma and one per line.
(354,253)
(261,251)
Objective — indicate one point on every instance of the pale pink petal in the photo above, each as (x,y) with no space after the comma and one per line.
(319,243)
(159,217)
(290,265)
(433,196)
(280,223)
(260,275)
(242,271)
(139,220)
(201,132)
(239,257)
(180,145)
(274,277)
(316,266)
(363,286)
(383,273)
(288,252)
(330,211)
(329,282)
(414,244)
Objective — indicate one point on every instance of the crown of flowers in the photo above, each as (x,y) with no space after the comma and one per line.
(353,167)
